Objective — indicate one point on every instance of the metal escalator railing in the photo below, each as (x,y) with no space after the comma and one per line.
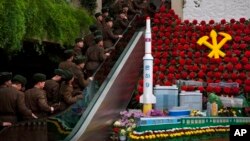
(60,126)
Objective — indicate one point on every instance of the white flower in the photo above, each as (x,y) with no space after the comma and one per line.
(117,124)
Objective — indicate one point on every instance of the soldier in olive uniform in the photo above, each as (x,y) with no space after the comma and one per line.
(35,98)
(79,45)
(105,12)
(117,6)
(108,36)
(66,91)
(99,20)
(80,82)
(95,56)
(68,62)
(120,23)
(19,82)
(11,101)
(52,87)
(89,38)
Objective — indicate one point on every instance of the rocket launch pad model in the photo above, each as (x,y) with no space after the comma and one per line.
(147,98)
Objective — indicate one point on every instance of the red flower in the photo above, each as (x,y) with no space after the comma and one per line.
(227,59)
(195,68)
(116,130)
(209,89)
(204,68)
(203,22)
(225,75)
(227,90)
(170,76)
(242,20)
(191,88)
(201,74)
(157,61)
(238,81)
(247,82)
(186,21)
(210,74)
(155,28)
(217,75)
(234,76)
(162,68)
(182,54)
(167,83)
(237,52)
(177,76)
(192,75)
(140,89)
(162,8)
(163,62)
(247,67)
(201,89)
(184,88)
(229,53)
(182,62)
(162,76)
(223,21)
(211,22)
(234,60)
(141,82)
(238,67)
(247,89)
(237,39)
(235,90)
(171,69)
(232,21)
(172,62)
(194,22)
(230,67)
(184,75)
(137,98)
(221,68)
(155,68)
(247,54)
(243,46)
(217,90)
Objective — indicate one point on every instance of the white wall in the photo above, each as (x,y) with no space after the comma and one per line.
(216,9)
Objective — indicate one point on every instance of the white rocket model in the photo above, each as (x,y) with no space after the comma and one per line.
(147,98)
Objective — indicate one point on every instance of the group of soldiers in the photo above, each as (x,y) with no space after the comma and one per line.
(74,73)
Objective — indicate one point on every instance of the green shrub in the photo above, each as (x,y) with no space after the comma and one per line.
(47,20)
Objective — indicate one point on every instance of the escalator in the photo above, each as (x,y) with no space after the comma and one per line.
(90,118)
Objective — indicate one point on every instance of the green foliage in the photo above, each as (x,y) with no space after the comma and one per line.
(46,20)
(12,27)
(90,5)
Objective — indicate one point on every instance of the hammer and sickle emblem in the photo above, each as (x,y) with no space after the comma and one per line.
(215,47)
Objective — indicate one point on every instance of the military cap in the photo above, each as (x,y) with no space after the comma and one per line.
(98,38)
(59,72)
(98,14)
(108,19)
(39,77)
(68,53)
(104,10)
(93,28)
(79,59)
(19,79)
(97,32)
(68,75)
(5,76)
(79,39)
